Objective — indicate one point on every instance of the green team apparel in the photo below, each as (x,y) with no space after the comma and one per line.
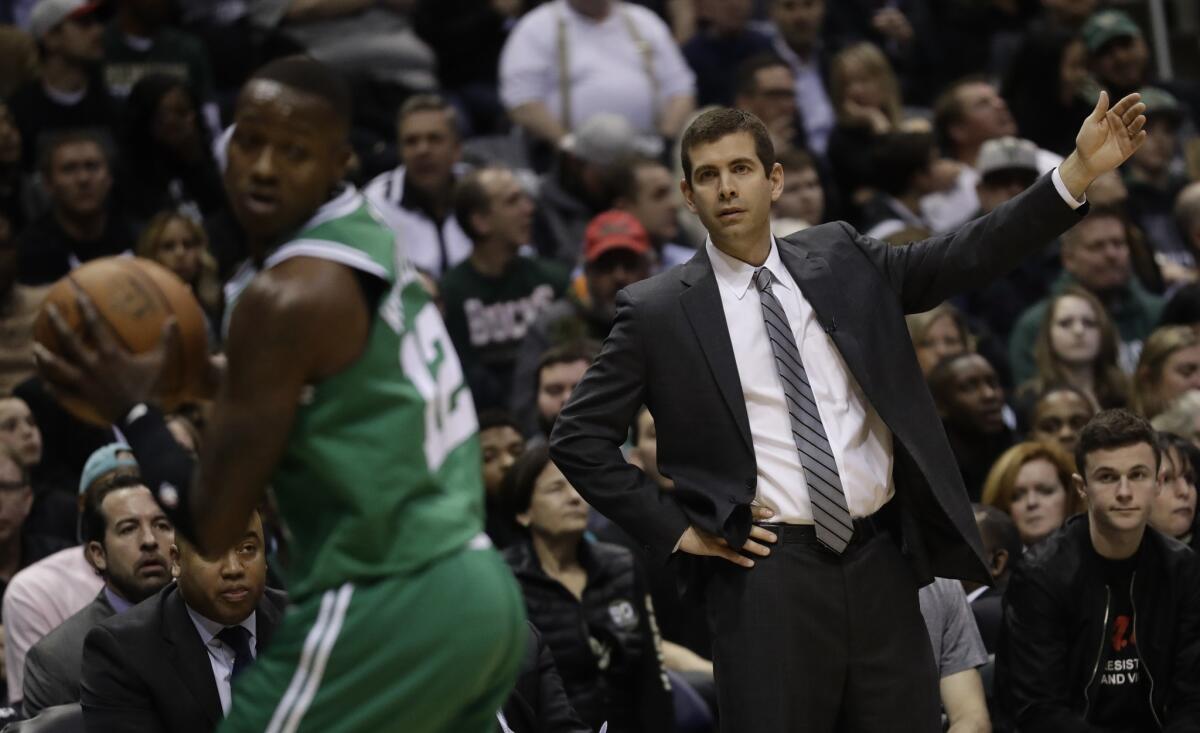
(402,617)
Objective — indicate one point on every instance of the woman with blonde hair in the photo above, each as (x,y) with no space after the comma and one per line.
(1168,367)
(177,242)
(1077,345)
(939,333)
(1031,482)
(866,99)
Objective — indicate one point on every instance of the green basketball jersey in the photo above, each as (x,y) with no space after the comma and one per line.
(382,470)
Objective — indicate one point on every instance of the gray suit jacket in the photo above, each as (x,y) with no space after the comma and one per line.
(52,665)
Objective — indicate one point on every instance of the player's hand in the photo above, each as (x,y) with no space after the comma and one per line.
(698,542)
(96,367)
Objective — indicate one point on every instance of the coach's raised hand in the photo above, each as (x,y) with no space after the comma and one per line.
(1106,140)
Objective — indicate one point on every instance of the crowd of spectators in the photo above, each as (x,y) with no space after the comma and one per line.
(526,155)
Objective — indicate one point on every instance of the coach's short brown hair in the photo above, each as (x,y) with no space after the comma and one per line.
(718,123)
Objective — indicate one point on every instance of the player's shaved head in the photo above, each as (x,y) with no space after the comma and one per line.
(311,77)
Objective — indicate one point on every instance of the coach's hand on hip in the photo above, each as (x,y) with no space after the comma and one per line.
(698,542)
(1107,138)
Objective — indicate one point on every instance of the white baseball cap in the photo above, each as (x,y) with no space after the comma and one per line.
(47,14)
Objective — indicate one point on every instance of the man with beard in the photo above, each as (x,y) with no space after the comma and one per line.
(127,538)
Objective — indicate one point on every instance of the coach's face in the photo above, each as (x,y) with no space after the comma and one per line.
(730,191)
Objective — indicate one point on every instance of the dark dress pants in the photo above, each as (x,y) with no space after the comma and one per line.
(810,642)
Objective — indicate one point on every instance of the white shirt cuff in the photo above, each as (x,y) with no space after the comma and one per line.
(1062,191)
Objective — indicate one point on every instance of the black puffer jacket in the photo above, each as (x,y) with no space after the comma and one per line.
(606,647)
(1055,612)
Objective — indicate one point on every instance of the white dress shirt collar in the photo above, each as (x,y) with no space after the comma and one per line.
(736,275)
(208,629)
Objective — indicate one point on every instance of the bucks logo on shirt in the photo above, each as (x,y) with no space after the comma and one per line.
(381,474)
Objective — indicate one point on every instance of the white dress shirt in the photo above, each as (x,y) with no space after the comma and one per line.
(861,442)
(220,655)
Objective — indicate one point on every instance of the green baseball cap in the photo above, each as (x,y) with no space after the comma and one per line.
(1160,102)
(1108,25)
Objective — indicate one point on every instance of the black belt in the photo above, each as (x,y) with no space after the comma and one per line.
(865,528)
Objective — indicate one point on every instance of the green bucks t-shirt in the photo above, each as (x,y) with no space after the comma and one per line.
(487,318)
(382,473)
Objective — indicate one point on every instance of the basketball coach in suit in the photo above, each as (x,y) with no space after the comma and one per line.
(808,461)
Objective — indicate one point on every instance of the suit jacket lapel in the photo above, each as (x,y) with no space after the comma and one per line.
(190,657)
(701,302)
(815,280)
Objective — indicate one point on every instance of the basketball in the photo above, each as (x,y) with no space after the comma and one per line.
(135,297)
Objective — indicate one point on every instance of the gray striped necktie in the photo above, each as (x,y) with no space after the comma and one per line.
(833,524)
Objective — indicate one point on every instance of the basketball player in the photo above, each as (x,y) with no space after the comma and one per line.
(342,392)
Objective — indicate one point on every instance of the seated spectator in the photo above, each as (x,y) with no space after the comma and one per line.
(579,187)
(19,548)
(1046,104)
(1182,417)
(70,94)
(720,46)
(139,41)
(53,512)
(166,156)
(1058,414)
(1077,345)
(797,25)
(1006,167)
(1174,511)
(1187,218)
(1168,367)
(569,60)
(45,594)
(1095,256)
(766,89)
(492,298)
(1118,56)
(645,188)
(866,97)
(1085,583)
(590,601)
(169,664)
(958,653)
(83,222)
(616,254)
(558,371)
(538,701)
(178,243)
(501,442)
(471,79)
(416,198)
(127,538)
(967,114)
(803,199)
(1031,482)
(1154,182)
(937,334)
(970,401)
(13,187)
(1002,549)
(902,165)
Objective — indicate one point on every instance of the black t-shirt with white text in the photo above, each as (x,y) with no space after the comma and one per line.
(1121,691)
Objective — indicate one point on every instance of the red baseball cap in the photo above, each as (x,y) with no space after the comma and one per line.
(614,230)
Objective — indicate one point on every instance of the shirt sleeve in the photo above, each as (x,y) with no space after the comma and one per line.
(1062,191)
(962,645)
(527,63)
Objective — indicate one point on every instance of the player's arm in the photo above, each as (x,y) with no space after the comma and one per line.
(298,323)
(295,324)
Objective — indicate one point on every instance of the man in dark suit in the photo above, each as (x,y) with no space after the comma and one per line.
(127,538)
(167,665)
(784,386)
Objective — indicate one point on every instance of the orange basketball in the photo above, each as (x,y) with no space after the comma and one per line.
(134,296)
